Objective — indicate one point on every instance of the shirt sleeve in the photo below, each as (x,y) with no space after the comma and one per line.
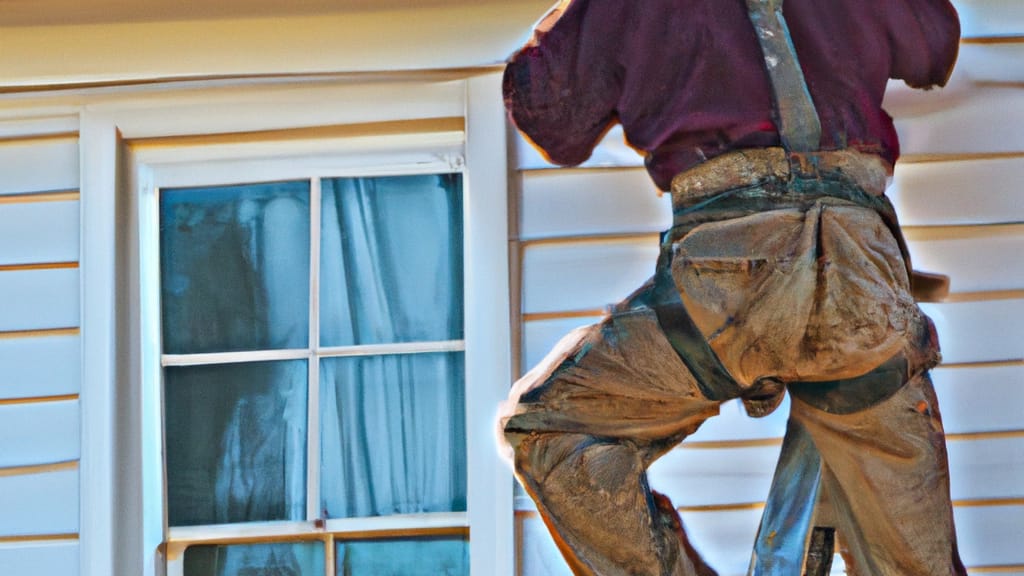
(925,36)
(561,90)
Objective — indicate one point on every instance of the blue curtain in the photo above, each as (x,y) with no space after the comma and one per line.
(393,439)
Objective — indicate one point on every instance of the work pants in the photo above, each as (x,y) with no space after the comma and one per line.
(770,292)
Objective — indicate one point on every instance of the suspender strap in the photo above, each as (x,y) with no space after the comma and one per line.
(799,126)
(689,343)
(855,394)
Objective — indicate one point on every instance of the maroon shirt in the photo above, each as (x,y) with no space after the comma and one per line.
(687,81)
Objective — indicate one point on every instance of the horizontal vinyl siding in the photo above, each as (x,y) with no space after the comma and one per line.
(39,299)
(35,232)
(981,398)
(39,503)
(990,535)
(581,202)
(993,60)
(39,558)
(987,122)
(612,152)
(584,276)
(38,165)
(40,366)
(976,258)
(982,331)
(958,191)
(39,433)
(40,351)
(990,17)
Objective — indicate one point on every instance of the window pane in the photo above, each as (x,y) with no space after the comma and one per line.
(235,267)
(236,442)
(292,559)
(393,435)
(391,260)
(420,557)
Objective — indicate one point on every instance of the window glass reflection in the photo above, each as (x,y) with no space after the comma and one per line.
(234,265)
(288,559)
(236,442)
(419,557)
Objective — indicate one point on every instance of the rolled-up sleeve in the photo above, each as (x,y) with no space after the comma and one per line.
(925,40)
(561,89)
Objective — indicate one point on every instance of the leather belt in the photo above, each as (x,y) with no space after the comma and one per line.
(757,167)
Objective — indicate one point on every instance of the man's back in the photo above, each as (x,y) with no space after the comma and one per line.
(686,78)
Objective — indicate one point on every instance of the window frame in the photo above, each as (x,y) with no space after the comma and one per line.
(125,145)
(434,158)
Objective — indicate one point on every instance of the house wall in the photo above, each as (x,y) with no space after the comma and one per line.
(586,237)
(81,469)
(40,354)
(70,434)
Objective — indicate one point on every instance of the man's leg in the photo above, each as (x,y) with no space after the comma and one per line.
(585,425)
(593,495)
(886,471)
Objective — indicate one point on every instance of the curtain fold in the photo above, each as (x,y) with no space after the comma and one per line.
(391,269)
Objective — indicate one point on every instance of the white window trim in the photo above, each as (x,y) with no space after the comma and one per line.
(122,528)
(163,168)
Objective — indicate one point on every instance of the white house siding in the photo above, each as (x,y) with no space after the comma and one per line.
(40,350)
(587,236)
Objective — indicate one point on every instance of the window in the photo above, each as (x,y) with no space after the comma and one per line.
(313,360)
(312,364)
(293,142)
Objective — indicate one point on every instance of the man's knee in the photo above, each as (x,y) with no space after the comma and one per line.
(538,455)
(584,461)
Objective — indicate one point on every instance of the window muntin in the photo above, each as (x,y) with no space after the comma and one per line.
(377,288)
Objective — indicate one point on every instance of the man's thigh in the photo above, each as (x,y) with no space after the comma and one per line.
(619,378)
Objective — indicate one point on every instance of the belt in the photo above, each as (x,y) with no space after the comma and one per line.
(753,180)
(748,181)
(759,167)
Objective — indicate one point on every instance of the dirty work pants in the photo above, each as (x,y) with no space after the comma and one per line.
(782,296)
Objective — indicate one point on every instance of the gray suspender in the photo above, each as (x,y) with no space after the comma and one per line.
(798,121)
(800,131)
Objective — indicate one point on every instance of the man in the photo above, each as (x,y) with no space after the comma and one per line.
(784,270)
